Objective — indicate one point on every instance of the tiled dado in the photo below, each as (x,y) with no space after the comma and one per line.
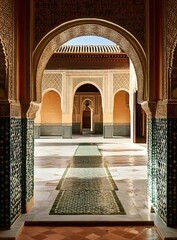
(27,161)
(10,174)
(12,144)
(162,167)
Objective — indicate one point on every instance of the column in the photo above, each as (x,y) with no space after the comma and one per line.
(150,109)
(166,162)
(162,159)
(132,102)
(108,106)
(67,106)
(11,163)
(28,114)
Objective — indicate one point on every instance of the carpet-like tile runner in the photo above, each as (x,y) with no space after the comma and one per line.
(86,186)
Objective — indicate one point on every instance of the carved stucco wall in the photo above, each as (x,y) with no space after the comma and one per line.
(121,81)
(52,81)
(99,30)
(7,39)
(51,13)
(171,37)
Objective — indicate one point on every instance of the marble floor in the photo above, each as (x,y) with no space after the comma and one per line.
(127,164)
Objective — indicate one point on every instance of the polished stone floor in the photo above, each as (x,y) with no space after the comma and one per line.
(127,164)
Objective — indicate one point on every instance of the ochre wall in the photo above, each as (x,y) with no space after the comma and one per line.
(51,108)
(121,108)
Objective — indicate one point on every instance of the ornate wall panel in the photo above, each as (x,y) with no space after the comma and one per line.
(15,168)
(47,12)
(28,161)
(7,38)
(171,28)
(51,80)
(4,175)
(136,54)
(160,131)
(121,81)
(171,38)
(10,175)
(172,172)
(152,161)
(162,174)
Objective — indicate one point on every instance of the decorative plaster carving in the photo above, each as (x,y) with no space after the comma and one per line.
(121,81)
(161,109)
(6,33)
(149,108)
(15,109)
(34,107)
(47,12)
(98,30)
(171,39)
(51,80)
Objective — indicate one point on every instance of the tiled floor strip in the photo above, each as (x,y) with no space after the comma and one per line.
(89,233)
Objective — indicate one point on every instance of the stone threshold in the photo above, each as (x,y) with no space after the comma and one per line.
(166,233)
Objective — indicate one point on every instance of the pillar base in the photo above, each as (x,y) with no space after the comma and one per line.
(108,131)
(67,132)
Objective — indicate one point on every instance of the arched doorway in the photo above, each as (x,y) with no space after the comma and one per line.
(121,114)
(109,30)
(97,27)
(50,114)
(88,116)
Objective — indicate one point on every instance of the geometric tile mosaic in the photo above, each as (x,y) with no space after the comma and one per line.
(4,172)
(162,167)
(15,168)
(10,174)
(28,160)
(87,186)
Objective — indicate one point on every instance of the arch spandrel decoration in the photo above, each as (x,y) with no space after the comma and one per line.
(96,27)
(121,80)
(52,80)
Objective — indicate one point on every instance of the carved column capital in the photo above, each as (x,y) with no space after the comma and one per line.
(29,109)
(31,113)
(149,108)
(161,111)
(10,109)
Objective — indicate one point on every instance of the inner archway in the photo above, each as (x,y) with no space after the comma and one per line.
(88,117)
(97,27)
